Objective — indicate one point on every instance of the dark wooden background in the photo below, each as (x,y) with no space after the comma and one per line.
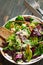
(8,10)
(11,8)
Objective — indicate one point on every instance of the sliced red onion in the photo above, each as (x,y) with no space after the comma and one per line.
(18,56)
(35,32)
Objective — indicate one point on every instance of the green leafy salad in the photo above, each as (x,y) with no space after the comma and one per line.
(26,41)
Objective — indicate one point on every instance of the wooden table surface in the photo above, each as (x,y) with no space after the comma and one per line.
(8,10)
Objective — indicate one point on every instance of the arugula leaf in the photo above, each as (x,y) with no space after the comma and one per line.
(27,42)
(39,50)
(23,26)
(18,43)
(8,48)
(11,40)
(33,40)
(9,24)
(17,27)
(5,48)
(12,37)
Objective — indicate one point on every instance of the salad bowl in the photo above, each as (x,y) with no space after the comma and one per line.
(9,58)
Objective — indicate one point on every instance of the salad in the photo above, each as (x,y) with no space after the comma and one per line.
(26,40)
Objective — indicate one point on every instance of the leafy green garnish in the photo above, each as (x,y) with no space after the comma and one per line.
(26,29)
(31,19)
(5,48)
(8,25)
(23,26)
(33,25)
(27,42)
(33,40)
(10,41)
(19,22)
(12,37)
(18,43)
(8,48)
(17,27)
(28,53)
(39,50)
(20,18)
(14,43)
(26,32)
(35,22)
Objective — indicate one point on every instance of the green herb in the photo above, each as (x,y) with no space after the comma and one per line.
(35,22)
(11,48)
(11,40)
(18,43)
(29,32)
(27,42)
(33,25)
(8,25)
(26,32)
(12,37)
(33,40)
(19,22)
(39,50)
(20,18)
(8,48)
(23,26)
(26,29)
(40,38)
(31,19)
(17,27)
(5,48)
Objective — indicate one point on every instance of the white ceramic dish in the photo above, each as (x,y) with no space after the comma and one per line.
(6,56)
